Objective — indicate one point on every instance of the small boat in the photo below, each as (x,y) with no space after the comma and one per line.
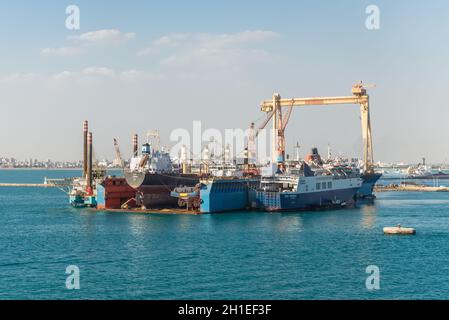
(399,230)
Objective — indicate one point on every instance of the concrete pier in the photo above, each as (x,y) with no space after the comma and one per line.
(27,185)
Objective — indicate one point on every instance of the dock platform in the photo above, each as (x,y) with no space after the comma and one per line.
(27,185)
(150,211)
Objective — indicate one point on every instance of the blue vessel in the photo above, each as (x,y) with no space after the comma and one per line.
(221,194)
(302,188)
(369,180)
(79,201)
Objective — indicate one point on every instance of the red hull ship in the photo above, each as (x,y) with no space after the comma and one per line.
(115,193)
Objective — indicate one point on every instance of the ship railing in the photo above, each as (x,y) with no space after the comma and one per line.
(65,184)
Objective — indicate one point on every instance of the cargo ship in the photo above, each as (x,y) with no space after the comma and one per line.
(154,176)
(303,188)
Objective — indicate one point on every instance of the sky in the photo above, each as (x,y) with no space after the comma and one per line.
(135,65)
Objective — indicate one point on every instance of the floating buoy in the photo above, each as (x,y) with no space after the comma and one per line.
(399,230)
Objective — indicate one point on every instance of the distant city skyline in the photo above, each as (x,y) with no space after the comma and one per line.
(134,66)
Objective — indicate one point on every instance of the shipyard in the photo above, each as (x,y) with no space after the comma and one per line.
(198,152)
(153,182)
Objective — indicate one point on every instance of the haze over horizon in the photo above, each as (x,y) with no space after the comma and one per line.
(135,66)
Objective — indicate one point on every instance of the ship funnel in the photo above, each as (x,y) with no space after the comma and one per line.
(183,156)
(245,157)
(205,160)
(85,130)
(89,164)
(252,149)
(227,154)
(184,160)
(135,145)
(206,154)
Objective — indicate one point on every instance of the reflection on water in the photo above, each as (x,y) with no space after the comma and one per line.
(137,224)
(289,223)
(88,225)
(368,220)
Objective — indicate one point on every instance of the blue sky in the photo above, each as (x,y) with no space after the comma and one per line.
(168,63)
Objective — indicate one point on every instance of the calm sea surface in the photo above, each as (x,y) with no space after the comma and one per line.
(307,255)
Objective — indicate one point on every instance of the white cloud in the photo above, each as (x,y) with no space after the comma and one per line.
(87,75)
(134,74)
(172,39)
(82,42)
(245,37)
(213,40)
(148,51)
(15,78)
(220,50)
(63,51)
(62,75)
(105,36)
(98,71)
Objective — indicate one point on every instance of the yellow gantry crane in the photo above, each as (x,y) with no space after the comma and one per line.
(273,108)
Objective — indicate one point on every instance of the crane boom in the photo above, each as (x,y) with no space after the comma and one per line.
(118,156)
(287,116)
(359,97)
(264,123)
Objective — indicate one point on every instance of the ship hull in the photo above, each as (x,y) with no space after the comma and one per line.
(154,188)
(366,190)
(290,201)
(224,195)
(115,193)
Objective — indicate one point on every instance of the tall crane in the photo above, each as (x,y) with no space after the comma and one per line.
(154,134)
(118,157)
(273,108)
(282,124)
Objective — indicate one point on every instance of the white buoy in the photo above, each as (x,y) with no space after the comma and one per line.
(399,230)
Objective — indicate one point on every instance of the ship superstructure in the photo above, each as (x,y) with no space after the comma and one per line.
(306,187)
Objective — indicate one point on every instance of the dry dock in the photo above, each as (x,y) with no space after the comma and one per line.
(150,211)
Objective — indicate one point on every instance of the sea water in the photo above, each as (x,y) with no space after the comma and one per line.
(241,255)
